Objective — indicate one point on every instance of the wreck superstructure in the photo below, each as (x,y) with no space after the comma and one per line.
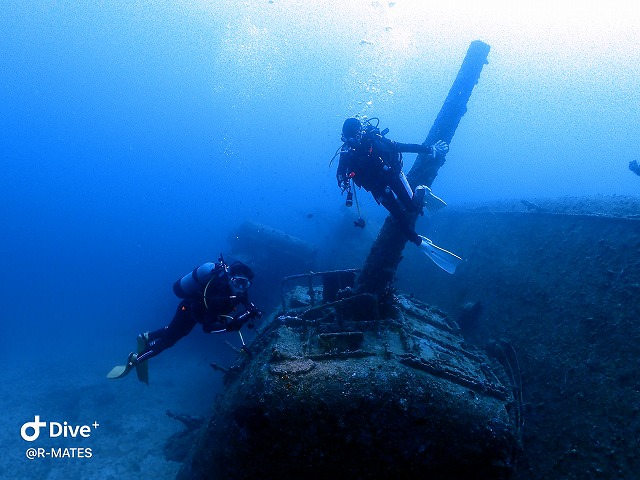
(349,388)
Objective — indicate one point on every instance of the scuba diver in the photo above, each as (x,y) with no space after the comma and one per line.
(370,160)
(211,295)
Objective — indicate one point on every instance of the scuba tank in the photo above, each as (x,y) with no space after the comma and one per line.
(193,283)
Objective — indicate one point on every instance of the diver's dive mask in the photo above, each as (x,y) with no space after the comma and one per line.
(240,283)
(352,132)
(354,140)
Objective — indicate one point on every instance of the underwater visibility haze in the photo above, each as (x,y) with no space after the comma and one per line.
(135,137)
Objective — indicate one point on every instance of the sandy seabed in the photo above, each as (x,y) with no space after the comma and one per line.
(133,426)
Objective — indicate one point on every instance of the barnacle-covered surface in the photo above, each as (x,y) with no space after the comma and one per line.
(350,389)
(560,279)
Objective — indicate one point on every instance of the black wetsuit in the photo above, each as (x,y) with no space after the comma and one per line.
(192,310)
(375,164)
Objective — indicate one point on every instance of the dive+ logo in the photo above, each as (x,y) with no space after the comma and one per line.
(30,431)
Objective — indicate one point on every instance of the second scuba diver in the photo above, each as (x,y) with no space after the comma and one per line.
(211,296)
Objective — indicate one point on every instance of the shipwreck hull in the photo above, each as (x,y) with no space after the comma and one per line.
(338,390)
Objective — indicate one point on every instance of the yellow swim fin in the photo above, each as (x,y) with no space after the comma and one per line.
(120,371)
(443,258)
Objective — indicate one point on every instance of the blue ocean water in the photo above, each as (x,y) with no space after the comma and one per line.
(135,136)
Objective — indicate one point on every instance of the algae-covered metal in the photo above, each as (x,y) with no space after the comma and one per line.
(350,388)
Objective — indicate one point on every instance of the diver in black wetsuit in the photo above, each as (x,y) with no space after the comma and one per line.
(214,295)
(373,162)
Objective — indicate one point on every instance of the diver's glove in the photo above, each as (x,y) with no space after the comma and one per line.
(234,325)
(251,313)
(439,149)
